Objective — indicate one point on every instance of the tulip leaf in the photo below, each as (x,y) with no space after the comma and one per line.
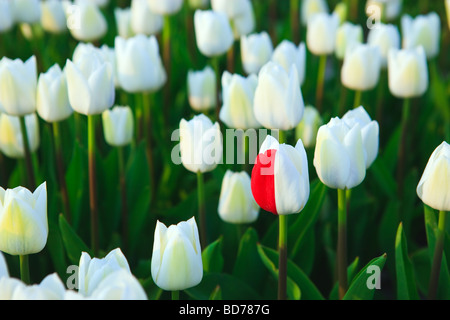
(406,284)
(351,272)
(212,257)
(380,173)
(73,243)
(216,294)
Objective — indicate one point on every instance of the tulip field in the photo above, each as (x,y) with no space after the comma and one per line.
(247,150)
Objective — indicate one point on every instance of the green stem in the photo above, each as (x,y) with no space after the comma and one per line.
(60,169)
(93,184)
(175,295)
(201,208)
(167,45)
(231,57)
(437,257)
(342,243)
(24,269)
(282,257)
(146,106)
(357,101)
(123,193)
(295,20)
(406,113)
(321,82)
(28,161)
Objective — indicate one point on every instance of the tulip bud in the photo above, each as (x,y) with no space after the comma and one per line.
(166,7)
(118,126)
(308,127)
(238,95)
(312,7)
(280,178)
(6,16)
(18,81)
(256,51)
(339,157)
(92,271)
(3,267)
(278,102)
(408,72)
(385,37)
(53,18)
(23,220)
(243,23)
(119,285)
(139,64)
(123,22)
(369,131)
(287,54)
(231,8)
(201,146)
(389,10)
(26,11)
(177,257)
(213,32)
(361,67)
(424,30)
(321,33)
(348,35)
(236,202)
(52,96)
(433,188)
(91,24)
(202,89)
(90,82)
(11,138)
(143,20)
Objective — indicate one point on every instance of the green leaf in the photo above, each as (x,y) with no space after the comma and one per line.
(351,272)
(406,283)
(381,174)
(212,257)
(358,289)
(72,242)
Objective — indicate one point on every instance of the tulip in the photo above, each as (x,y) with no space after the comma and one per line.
(91,25)
(287,54)
(3,267)
(11,141)
(369,131)
(312,7)
(341,9)
(119,285)
(244,23)
(408,72)
(256,51)
(6,16)
(177,257)
(92,271)
(166,7)
(347,36)
(238,95)
(26,11)
(321,33)
(202,89)
(198,4)
(236,202)
(231,8)
(386,37)
(118,126)
(424,30)
(388,10)
(278,102)
(308,127)
(123,22)
(9,286)
(100,3)
(139,65)
(213,32)
(50,288)
(53,18)
(447,7)
(143,20)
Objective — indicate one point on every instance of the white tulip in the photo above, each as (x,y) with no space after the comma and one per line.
(308,127)
(287,54)
(231,8)
(143,20)
(50,288)
(3,267)
(6,16)
(123,22)
(256,51)
(348,35)
(118,126)
(26,11)
(53,18)
(244,23)
(321,33)
(389,10)
(447,7)
(89,23)
(311,7)
(119,285)
(11,138)
(166,7)
(202,89)
(386,37)
(9,286)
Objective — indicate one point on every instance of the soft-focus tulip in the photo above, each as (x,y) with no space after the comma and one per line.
(361,67)
(139,64)
(91,25)
(100,3)
(3,267)
(244,23)
(50,288)
(308,127)
(52,96)
(389,10)
(118,126)
(321,33)
(236,202)
(90,82)
(238,95)
(311,8)
(53,18)
(143,20)
(92,271)
(201,145)
(213,32)
(341,10)
(119,285)
(202,89)
(287,54)
(424,30)
(123,22)
(177,257)
(447,7)
(256,51)
(434,186)
(370,131)
(385,37)
(6,16)
(339,156)
(26,11)
(408,72)
(166,7)
(198,4)
(9,286)
(18,82)
(278,102)
(280,178)
(347,36)
(23,220)
(11,138)
(231,8)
